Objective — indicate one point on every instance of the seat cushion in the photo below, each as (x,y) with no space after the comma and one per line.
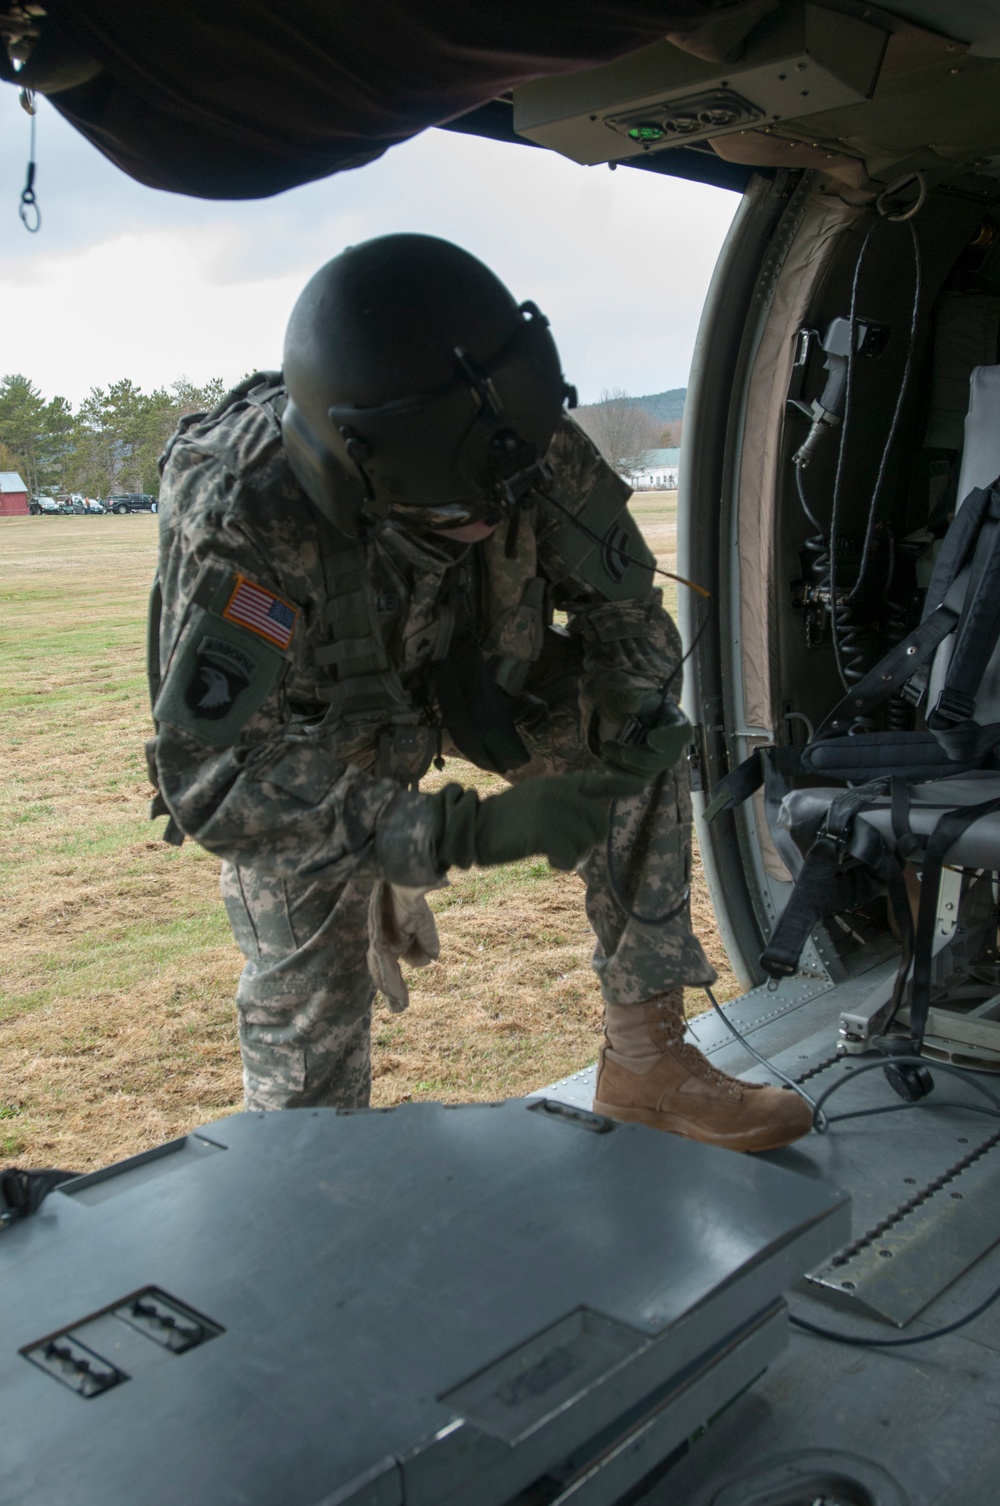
(803,812)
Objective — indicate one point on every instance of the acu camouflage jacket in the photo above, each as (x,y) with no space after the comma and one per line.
(295,695)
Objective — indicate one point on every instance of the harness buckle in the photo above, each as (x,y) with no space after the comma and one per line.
(837,842)
(914,690)
(953,706)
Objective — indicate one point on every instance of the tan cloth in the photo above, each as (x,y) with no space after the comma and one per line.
(401,928)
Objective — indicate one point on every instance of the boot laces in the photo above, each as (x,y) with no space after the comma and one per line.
(668,1032)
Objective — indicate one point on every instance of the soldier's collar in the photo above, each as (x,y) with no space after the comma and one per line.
(418,548)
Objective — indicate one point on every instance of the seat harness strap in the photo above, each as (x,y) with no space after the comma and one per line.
(977,630)
(823,887)
(952,825)
(892,671)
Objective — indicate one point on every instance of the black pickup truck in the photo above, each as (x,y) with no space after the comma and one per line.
(131,502)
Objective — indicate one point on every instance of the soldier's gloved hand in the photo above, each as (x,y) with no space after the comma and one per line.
(648,741)
(563,816)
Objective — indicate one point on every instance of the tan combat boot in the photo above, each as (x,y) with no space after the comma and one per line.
(648,1074)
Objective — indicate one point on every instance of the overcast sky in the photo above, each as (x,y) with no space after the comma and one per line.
(124,280)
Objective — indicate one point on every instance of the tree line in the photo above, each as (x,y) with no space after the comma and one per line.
(109,444)
(112,441)
(624,430)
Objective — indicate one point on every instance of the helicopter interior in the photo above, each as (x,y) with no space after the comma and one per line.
(861,501)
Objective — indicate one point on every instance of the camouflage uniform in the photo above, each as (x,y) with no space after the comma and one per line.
(297,712)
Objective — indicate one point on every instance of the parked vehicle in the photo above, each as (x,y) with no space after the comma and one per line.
(44,506)
(131,502)
(94,504)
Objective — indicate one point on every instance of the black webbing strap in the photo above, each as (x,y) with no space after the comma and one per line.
(814,895)
(940,842)
(821,888)
(976,633)
(23,1192)
(738,785)
(902,831)
(891,872)
(889,865)
(746,779)
(968,744)
(891,672)
(846,806)
(958,545)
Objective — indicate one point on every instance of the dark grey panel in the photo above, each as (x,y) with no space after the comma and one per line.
(440,1301)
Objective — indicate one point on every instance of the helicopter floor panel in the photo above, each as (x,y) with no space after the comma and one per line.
(832,1422)
(924,1182)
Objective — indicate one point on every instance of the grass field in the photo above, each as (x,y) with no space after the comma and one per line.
(117,1027)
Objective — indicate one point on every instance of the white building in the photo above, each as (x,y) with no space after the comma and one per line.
(656,470)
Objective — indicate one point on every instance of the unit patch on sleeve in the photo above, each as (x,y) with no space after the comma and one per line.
(222,673)
(269,616)
(218,679)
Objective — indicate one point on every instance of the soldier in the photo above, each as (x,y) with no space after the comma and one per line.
(360,560)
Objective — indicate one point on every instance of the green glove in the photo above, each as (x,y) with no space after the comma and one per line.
(650,741)
(563,816)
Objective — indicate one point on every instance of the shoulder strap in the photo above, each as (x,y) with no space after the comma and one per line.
(977,630)
(941,616)
(957,545)
(891,672)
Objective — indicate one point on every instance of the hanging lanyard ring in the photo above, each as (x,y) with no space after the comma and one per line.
(28,211)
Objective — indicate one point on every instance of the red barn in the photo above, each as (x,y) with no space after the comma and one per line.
(13,495)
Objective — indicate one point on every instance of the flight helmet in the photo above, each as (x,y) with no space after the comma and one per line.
(417,386)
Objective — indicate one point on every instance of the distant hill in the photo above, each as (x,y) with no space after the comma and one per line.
(663,407)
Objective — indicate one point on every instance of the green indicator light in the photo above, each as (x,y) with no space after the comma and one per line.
(646,133)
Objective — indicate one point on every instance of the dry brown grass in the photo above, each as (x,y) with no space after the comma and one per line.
(117,1026)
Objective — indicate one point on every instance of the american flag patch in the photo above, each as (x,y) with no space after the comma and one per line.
(262,612)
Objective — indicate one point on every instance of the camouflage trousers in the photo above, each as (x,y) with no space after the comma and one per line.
(305,996)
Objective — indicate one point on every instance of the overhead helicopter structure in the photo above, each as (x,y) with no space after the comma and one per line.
(507,1304)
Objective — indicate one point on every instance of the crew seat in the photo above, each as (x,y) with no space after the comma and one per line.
(802,812)
(844,842)
(912,820)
